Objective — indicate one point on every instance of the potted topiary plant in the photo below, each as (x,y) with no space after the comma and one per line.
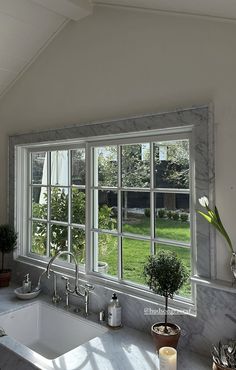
(224,356)
(8,238)
(165,274)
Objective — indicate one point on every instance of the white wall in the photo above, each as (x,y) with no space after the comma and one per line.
(118,63)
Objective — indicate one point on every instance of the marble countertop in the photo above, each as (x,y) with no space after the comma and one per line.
(125,349)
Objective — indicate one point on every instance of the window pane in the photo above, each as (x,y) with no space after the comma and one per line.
(185,255)
(136,212)
(172,216)
(59,204)
(39,202)
(59,167)
(59,239)
(105,166)
(135,254)
(136,165)
(39,168)
(78,167)
(78,244)
(105,209)
(171,164)
(39,238)
(78,206)
(106,254)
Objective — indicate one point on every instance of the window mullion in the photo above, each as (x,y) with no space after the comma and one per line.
(49,202)
(29,208)
(119,206)
(69,201)
(152,200)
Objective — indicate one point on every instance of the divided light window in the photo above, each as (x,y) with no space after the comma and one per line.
(57,202)
(140,204)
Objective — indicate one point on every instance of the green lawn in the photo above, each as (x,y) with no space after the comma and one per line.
(136,252)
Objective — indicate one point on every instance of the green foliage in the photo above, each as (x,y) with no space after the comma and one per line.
(177,170)
(135,171)
(39,240)
(161,213)
(147,212)
(165,273)
(59,204)
(78,206)
(59,233)
(169,214)
(105,219)
(184,217)
(8,239)
(175,216)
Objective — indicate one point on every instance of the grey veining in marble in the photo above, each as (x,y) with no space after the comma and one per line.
(214,320)
(197,121)
(123,349)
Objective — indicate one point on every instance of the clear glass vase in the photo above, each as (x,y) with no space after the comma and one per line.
(233,264)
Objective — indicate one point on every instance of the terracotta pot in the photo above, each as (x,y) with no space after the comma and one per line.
(219,367)
(166,340)
(5,278)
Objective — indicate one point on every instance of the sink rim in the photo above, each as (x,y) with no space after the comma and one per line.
(34,357)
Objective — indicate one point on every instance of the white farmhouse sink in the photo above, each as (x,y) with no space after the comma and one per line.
(48,331)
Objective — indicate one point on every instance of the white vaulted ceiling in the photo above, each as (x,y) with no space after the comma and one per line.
(26,27)
(213,8)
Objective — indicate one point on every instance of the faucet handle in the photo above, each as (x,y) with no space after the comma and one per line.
(89,286)
(67,280)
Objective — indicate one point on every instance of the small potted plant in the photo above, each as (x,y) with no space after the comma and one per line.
(165,274)
(8,238)
(224,356)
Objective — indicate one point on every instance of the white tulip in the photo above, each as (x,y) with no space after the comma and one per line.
(204,201)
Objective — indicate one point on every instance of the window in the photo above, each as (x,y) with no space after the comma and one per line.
(140,204)
(114,193)
(57,203)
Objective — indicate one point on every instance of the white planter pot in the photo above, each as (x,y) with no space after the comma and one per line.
(102,267)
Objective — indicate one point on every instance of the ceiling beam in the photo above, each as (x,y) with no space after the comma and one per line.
(72,9)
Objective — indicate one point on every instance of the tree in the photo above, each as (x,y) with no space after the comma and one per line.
(165,274)
(135,168)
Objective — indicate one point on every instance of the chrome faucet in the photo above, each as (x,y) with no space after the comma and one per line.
(82,293)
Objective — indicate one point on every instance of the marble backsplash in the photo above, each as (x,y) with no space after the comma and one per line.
(215,315)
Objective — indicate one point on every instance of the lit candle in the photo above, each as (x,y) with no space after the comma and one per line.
(168,358)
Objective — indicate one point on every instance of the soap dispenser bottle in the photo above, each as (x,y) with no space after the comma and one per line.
(114,312)
(26,286)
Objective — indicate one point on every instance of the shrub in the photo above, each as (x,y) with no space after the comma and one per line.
(8,239)
(175,216)
(184,217)
(147,212)
(169,214)
(161,213)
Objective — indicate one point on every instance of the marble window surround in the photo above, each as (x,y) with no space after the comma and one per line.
(197,120)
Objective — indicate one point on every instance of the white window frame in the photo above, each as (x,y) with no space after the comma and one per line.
(151,190)
(21,212)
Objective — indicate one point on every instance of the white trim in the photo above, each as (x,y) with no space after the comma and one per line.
(153,135)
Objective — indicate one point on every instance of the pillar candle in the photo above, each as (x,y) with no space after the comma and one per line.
(168,358)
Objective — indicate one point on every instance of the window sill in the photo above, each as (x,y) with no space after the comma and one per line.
(215,284)
(186,306)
